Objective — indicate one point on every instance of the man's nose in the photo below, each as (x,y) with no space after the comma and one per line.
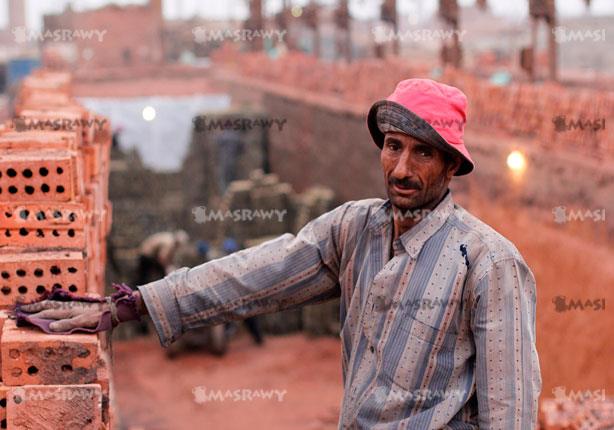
(404,167)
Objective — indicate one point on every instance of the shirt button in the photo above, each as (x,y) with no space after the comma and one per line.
(372,349)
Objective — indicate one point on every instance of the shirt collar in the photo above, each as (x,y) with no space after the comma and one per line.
(415,237)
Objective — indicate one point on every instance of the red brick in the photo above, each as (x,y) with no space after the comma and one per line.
(30,356)
(3,395)
(52,407)
(26,276)
(39,176)
(38,139)
(51,225)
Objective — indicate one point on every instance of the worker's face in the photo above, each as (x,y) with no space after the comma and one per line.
(416,173)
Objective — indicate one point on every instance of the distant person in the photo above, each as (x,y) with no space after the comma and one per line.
(437,308)
(229,148)
(156,255)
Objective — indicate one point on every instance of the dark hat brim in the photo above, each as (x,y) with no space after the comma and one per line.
(416,127)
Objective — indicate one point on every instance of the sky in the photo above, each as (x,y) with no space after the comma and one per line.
(361,9)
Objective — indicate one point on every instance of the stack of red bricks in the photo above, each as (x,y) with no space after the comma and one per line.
(575,414)
(54,218)
(555,117)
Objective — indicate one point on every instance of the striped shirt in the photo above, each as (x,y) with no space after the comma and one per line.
(437,326)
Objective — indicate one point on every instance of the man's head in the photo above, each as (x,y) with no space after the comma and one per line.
(419,128)
(416,173)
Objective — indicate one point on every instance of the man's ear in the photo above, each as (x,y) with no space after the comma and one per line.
(452,166)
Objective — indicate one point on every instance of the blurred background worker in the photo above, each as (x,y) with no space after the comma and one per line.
(156,254)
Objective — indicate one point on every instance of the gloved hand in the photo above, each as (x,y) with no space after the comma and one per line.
(63,312)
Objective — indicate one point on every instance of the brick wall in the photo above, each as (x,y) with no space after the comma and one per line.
(55,216)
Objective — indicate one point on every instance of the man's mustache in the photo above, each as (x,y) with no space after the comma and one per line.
(405,183)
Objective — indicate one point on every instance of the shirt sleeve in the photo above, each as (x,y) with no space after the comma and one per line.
(508,379)
(283,273)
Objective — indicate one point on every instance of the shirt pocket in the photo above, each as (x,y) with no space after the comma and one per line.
(419,348)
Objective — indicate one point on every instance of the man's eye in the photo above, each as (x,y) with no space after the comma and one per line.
(393,146)
(425,152)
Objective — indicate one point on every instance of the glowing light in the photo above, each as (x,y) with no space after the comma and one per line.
(516,161)
(149,113)
(297,11)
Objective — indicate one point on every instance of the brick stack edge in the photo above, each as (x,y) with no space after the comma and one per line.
(54,219)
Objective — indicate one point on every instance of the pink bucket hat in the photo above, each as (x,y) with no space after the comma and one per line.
(429,111)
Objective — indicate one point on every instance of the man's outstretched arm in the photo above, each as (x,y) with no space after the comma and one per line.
(279,274)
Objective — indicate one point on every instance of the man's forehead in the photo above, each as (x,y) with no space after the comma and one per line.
(403,137)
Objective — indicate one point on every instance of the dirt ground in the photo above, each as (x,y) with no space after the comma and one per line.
(155,393)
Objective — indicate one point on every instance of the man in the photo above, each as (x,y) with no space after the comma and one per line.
(437,309)
(157,254)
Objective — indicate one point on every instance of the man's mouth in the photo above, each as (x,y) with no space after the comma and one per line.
(404,190)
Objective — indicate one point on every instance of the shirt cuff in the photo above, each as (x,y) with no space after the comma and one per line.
(163,309)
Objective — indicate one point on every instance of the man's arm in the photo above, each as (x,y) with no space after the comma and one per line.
(282,273)
(279,274)
(508,380)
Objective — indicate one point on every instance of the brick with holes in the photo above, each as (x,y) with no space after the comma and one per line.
(25,276)
(3,395)
(39,224)
(39,176)
(30,356)
(66,118)
(36,140)
(51,407)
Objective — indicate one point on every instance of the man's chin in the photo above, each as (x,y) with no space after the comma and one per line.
(403,203)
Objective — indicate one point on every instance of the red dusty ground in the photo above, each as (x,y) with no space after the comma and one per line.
(308,369)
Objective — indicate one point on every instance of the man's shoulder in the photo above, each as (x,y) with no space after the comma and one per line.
(485,245)
(360,211)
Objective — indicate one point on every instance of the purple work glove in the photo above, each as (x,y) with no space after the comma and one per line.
(62,312)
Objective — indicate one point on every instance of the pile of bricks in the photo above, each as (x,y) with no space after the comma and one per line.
(572,414)
(54,219)
(555,116)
